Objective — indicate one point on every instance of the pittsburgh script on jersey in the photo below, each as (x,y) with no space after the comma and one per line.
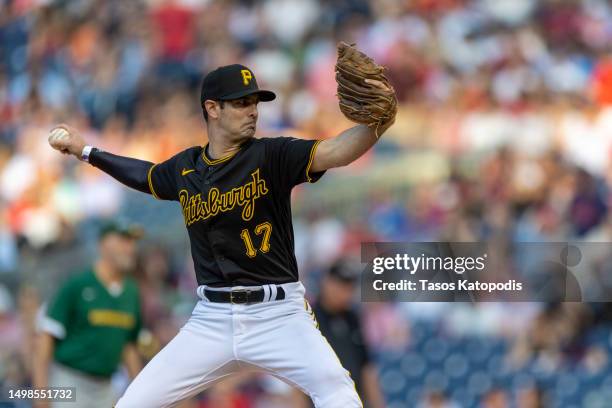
(196,209)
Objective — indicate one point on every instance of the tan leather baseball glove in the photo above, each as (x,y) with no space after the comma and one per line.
(364,93)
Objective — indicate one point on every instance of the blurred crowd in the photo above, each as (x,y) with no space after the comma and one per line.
(505,105)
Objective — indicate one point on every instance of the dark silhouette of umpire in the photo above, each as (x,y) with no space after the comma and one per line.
(340,323)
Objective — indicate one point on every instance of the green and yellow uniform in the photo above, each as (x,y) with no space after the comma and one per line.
(92,325)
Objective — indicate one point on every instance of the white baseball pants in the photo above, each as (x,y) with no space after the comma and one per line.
(277,337)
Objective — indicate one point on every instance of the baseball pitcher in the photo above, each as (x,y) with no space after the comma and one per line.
(235,198)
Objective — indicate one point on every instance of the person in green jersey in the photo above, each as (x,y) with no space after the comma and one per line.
(92,325)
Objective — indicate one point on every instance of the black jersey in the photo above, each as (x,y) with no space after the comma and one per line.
(237,208)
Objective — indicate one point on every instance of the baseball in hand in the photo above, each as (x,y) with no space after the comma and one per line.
(58,139)
(67,140)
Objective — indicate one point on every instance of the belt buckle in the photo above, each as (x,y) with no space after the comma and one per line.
(240,296)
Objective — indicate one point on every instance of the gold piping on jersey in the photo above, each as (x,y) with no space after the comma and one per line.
(151,183)
(216,161)
(196,209)
(312,154)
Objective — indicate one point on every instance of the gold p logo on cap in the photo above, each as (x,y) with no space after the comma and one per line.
(246,76)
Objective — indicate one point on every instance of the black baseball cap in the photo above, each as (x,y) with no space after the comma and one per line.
(133,231)
(345,270)
(232,82)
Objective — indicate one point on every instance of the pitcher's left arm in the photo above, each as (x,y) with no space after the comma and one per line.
(351,144)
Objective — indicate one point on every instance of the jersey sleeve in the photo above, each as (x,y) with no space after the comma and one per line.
(59,314)
(162,178)
(290,159)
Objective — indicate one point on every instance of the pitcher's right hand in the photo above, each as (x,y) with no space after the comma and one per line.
(67,140)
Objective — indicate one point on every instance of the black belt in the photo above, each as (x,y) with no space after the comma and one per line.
(241,296)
